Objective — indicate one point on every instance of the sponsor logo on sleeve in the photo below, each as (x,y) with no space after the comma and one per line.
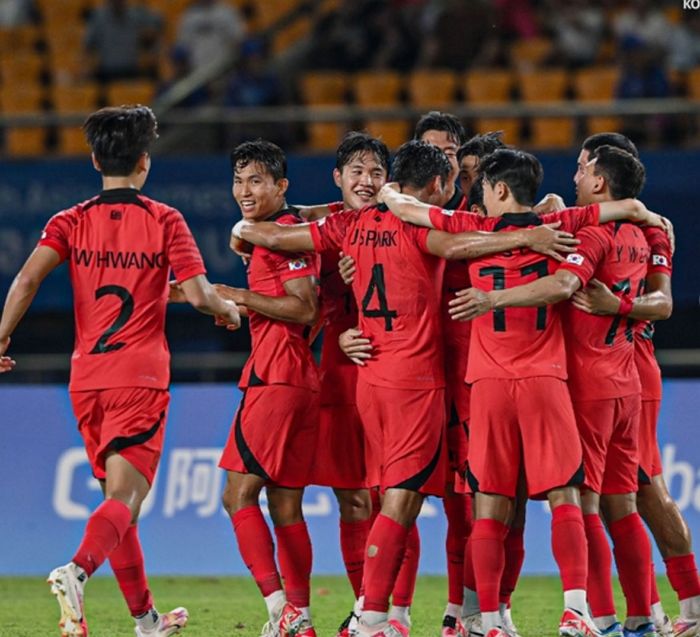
(659,259)
(297,264)
(448,213)
(576,259)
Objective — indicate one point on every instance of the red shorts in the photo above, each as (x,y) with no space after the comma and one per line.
(529,421)
(340,452)
(404,437)
(274,435)
(458,435)
(609,432)
(127,420)
(649,452)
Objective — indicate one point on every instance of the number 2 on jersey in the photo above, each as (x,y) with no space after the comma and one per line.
(127,309)
(376,284)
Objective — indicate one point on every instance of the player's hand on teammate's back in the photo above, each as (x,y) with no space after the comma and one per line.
(468,304)
(357,348)
(346,267)
(596,298)
(389,187)
(7,364)
(551,202)
(546,239)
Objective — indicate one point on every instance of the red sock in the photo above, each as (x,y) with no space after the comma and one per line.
(127,563)
(600,592)
(353,541)
(515,555)
(103,533)
(632,551)
(455,545)
(256,548)
(488,555)
(386,546)
(469,576)
(653,588)
(405,586)
(569,546)
(683,575)
(294,554)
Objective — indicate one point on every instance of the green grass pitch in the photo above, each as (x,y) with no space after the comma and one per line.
(232,607)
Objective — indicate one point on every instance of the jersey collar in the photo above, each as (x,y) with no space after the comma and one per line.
(121,195)
(289,210)
(518,219)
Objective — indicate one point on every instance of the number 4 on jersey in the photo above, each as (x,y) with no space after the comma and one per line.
(376,283)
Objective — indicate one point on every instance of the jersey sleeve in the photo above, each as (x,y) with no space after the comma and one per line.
(419,236)
(660,257)
(458,220)
(573,219)
(56,233)
(336,206)
(589,253)
(328,233)
(181,250)
(294,266)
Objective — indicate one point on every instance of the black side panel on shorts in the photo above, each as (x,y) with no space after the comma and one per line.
(642,477)
(251,464)
(578,478)
(414,483)
(123,442)
(473,482)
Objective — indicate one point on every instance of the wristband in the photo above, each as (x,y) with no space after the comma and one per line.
(626,305)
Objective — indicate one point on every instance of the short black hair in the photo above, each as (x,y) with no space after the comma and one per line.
(417,163)
(623,172)
(520,171)
(262,152)
(617,140)
(476,194)
(481,145)
(355,142)
(119,135)
(435,120)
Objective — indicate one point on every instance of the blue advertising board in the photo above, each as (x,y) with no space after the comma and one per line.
(47,490)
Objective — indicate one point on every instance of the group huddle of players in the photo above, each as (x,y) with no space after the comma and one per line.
(476,347)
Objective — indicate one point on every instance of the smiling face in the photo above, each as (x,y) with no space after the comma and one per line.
(256,191)
(587,183)
(360,179)
(447,145)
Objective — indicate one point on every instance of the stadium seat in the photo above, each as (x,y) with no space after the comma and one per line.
(267,12)
(509,125)
(552,132)
(488,85)
(392,132)
(24,141)
(323,89)
(291,34)
(130,92)
(543,85)
(602,124)
(20,68)
(74,99)
(432,88)
(597,83)
(324,136)
(58,13)
(693,83)
(377,88)
(530,52)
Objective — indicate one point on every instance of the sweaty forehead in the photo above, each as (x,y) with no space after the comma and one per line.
(440,138)
(363,159)
(245,168)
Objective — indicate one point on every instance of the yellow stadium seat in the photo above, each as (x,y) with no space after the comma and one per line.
(24,67)
(392,132)
(323,89)
(432,88)
(596,83)
(488,85)
(75,99)
(693,83)
(25,142)
(377,88)
(267,12)
(543,85)
(602,124)
(22,99)
(22,141)
(509,125)
(552,132)
(324,136)
(130,92)
(530,52)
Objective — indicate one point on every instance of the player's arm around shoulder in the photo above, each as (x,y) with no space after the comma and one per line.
(273,236)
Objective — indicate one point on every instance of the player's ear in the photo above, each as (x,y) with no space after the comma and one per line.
(501,190)
(336,177)
(95,163)
(282,185)
(143,164)
(600,184)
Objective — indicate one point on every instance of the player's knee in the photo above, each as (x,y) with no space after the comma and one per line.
(402,505)
(235,499)
(616,507)
(355,506)
(285,506)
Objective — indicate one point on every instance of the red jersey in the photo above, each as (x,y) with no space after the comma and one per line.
(397,288)
(280,352)
(121,246)
(660,262)
(515,342)
(339,312)
(600,349)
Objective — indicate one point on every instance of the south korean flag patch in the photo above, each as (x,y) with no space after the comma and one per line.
(297,264)
(576,259)
(659,259)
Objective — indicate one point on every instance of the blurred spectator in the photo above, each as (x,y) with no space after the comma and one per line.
(120,37)
(517,18)
(684,49)
(15,13)
(210,30)
(180,68)
(577,27)
(642,75)
(644,23)
(253,84)
(399,46)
